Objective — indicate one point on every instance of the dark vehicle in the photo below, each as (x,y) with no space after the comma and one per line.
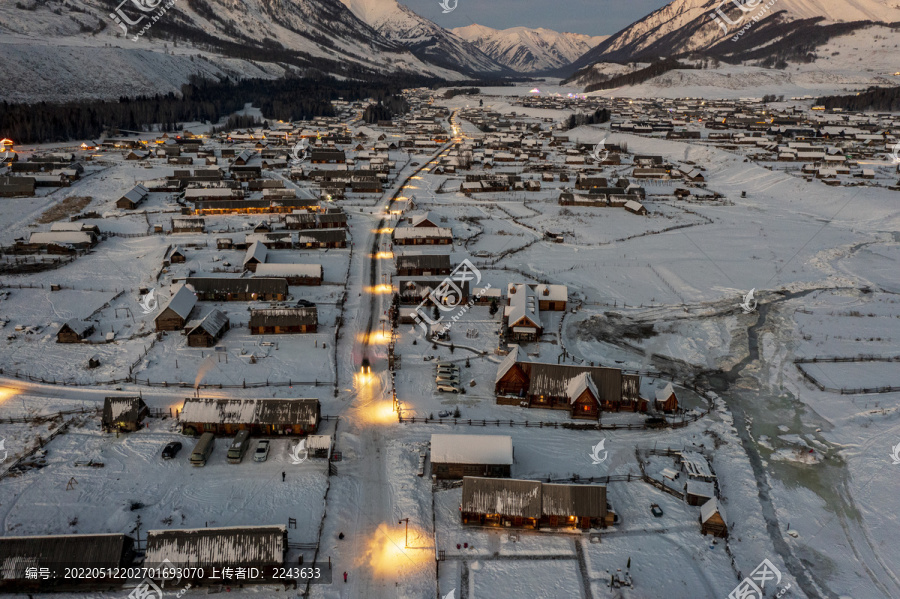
(414,164)
(656,510)
(305,304)
(171,450)
(366,366)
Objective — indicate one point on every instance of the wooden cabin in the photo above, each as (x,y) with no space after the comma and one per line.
(457,456)
(256,255)
(133,198)
(177,256)
(541,385)
(422,265)
(105,551)
(123,414)
(207,332)
(280,321)
(75,331)
(235,548)
(509,503)
(176,312)
(259,416)
(666,401)
(220,289)
(712,519)
(295,274)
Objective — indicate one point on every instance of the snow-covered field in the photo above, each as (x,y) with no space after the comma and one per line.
(805,476)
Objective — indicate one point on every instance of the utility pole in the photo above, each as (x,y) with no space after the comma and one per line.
(406,542)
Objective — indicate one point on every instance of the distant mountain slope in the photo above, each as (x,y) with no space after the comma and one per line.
(685,26)
(529,50)
(425,39)
(58,49)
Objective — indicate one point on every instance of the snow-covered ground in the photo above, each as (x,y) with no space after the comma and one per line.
(787,456)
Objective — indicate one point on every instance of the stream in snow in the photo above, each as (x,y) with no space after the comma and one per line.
(780,436)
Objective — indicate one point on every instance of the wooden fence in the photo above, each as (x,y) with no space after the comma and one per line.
(166,384)
(555,425)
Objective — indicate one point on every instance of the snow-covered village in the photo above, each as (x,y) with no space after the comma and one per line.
(625,332)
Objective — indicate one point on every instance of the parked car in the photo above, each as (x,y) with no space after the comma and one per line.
(453,380)
(447,388)
(656,510)
(447,365)
(262,451)
(171,450)
(453,369)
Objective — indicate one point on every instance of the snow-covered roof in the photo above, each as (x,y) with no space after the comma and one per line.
(508,497)
(708,509)
(508,362)
(256,251)
(701,488)
(182,302)
(695,464)
(247,411)
(212,323)
(523,304)
(79,326)
(581,383)
(289,270)
(471,449)
(553,293)
(664,393)
(74,237)
(232,546)
(421,232)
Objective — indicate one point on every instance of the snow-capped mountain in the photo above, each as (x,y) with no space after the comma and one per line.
(64,49)
(425,39)
(786,27)
(529,50)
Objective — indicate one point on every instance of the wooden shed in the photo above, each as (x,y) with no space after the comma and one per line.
(576,506)
(123,414)
(54,552)
(176,312)
(457,456)
(501,502)
(259,416)
(236,547)
(666,401)
(712,519)
(207,332)
(75,331)
(220,289)
(278,321)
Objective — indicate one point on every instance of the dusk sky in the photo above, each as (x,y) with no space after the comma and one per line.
(593,17)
